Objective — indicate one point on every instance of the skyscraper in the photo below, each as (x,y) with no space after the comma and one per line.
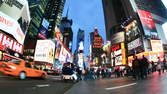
(37,8)
(117,11)
(80,37)
(66,30)
(141,20)
(96,45)
(53,14)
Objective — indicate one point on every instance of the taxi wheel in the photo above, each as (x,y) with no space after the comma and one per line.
(22,75)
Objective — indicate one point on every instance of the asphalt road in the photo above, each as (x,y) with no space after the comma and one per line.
(10,85)
(154,84)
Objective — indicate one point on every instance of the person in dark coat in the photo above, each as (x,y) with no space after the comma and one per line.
(144,67)
(136,67)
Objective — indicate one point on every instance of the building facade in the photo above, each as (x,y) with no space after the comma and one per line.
(53,13)
(141,20)
(66,30)
(13,28)
(96,42)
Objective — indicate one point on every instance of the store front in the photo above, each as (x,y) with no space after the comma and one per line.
(9,48)
(118,56)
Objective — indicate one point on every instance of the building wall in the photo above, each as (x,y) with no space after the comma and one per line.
(161,33)
(53,14)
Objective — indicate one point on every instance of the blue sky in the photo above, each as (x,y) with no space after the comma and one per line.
(86,14)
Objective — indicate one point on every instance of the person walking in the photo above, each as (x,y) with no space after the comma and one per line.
(159,66)
(144,67)
(135,67)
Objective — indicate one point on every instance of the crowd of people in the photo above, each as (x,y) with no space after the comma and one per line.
(139,70)
(142,67)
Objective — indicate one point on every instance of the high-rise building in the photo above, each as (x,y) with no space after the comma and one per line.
(117,11)
(53,13)
(66,30)
(37,8)
(141,20)
(80,37)
(96,45)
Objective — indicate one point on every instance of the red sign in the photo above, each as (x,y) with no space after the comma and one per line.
(10,43)
(146,19)
(115,48)
(97,42)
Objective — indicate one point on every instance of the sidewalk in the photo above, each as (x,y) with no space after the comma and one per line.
(98,86)
(92,86)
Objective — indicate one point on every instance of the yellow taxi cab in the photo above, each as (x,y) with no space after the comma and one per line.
(21,69)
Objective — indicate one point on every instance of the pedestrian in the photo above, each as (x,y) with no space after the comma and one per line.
(159,66)
(150,67)
(144,67)
(135,67)
(79,73)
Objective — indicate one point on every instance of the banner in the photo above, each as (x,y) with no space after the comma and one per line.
(7,42)
(17,10)
(44,51)
(9,25)
(148,24)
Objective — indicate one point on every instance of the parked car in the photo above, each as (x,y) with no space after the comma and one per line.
(21,69)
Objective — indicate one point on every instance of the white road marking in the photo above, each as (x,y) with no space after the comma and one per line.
(116,87)
(43,85)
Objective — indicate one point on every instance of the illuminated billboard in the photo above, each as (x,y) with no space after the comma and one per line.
(9,25)
(156,45)
(44,51)
(58,49)
(97,41)
(118,38)
(44,28)
(7,42)
(148,24)
(118,55)
(17,10)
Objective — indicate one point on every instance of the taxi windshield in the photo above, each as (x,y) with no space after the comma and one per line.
(15,61)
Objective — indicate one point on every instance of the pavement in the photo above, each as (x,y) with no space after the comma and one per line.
(51,85)
(154,84)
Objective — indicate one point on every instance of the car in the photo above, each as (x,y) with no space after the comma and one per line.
(21,68)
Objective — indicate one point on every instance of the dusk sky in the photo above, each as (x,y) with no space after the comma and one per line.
(86,14)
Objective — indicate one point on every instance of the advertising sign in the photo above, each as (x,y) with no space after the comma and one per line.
(134,44)
(44,28)
(156,45)
(44,51)
(147,23)
(97,41)
(58,49)
(17,10)
(63,54)
(117,38)
(12,27)
(132,31)
(45,23)
(7,42)
(58,34)
(80,60)
(118,55)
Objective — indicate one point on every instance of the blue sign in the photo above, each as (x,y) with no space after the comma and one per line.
(45,23)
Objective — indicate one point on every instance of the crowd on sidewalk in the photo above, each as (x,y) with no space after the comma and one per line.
(139,70)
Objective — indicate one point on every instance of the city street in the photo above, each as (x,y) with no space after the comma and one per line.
(53,85)
(154,84)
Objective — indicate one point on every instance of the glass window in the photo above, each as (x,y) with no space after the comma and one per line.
(15,61)
(28,65)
